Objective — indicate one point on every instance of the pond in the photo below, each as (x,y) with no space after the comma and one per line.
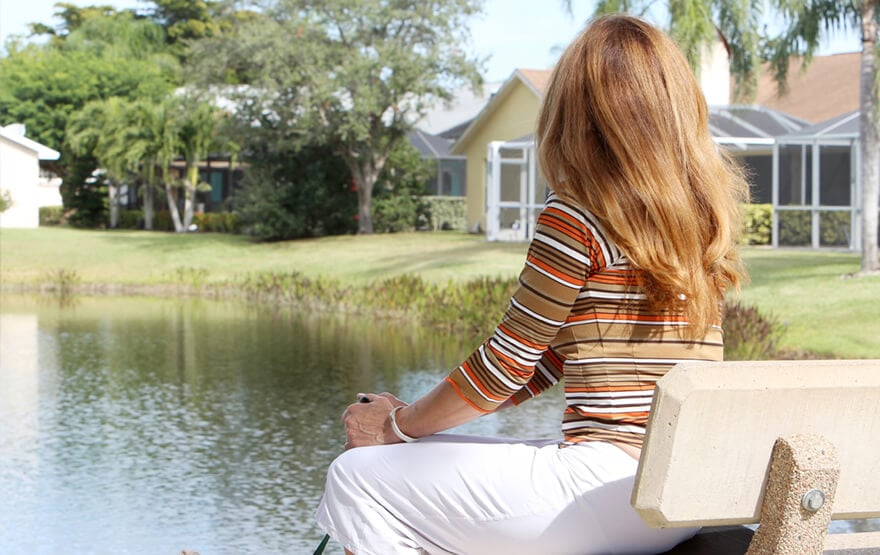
(143,425)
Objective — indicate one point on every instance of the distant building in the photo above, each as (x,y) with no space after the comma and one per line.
(22,180)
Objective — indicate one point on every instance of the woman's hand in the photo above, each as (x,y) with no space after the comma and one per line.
(367,423)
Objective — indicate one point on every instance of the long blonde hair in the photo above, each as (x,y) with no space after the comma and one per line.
(624,132)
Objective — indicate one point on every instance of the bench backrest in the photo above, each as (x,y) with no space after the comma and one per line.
(713,426)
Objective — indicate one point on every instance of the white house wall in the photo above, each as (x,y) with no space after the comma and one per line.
(19,176)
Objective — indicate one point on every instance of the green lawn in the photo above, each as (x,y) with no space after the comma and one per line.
(802,289)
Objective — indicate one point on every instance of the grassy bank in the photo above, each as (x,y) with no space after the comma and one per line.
(803,290)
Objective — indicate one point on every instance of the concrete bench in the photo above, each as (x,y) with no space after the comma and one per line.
(788,445)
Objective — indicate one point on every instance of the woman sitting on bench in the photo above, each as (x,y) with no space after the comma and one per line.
(624,278)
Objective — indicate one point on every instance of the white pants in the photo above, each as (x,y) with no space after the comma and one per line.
(478,496)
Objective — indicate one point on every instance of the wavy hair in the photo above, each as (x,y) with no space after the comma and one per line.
(624,132)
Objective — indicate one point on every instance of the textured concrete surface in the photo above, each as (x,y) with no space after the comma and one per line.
(713,427)
(800,464)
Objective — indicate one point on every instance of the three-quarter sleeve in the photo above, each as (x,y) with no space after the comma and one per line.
(561,256)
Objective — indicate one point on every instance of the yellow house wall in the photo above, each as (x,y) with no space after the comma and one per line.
(514,117)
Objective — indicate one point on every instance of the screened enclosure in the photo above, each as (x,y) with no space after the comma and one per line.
(816,192)
(515,189)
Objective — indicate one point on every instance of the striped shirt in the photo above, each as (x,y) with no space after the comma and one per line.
(578,313)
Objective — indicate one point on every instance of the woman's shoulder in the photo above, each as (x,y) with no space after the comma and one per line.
(593,228)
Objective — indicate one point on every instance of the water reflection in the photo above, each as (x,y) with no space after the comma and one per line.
(147,426)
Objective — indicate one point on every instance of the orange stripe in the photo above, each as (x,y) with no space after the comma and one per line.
(461,394)
(519,338)
(478,384)
(550,270)
(566,226)
(511,365)
(618,316)
(621,416)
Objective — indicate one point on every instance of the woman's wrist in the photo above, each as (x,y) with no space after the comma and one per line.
(395,425)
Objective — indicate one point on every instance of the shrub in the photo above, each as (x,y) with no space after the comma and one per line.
(757,224)
(220,222)
(52,215)
(288,195)
(749,335)
(398,203)
(794,228)
(162,221)
(130,219)
(5,201)
(447,213)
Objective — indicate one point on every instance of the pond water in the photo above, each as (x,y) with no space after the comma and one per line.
(141,425)
(148,426)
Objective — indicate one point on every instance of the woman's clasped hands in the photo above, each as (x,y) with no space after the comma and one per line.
(367,421)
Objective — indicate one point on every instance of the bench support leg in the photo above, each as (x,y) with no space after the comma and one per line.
(798,497)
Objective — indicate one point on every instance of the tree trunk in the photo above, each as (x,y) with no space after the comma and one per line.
(113,198)
(148,206)
(172,207)
(148,198)
(869,129)
(364,181)
(189,191)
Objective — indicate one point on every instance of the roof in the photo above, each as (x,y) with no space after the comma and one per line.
(828,87)
(466,103)
(430,146)
(535,80)
(844,126)
(15,133)
(751,122)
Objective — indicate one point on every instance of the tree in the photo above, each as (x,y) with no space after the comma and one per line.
(197,134)
(99,129)
(694,22)
(350,75)
(96,53)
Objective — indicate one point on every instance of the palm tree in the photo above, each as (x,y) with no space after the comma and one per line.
(197,134)
(153,143)
(693,23)
(99,128)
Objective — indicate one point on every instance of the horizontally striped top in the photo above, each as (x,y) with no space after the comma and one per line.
(579,313)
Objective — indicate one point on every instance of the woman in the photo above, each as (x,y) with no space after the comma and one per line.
(623,279)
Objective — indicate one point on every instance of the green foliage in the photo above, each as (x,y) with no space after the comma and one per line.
(84,195)
(41,87)
(795,228)
(447,213)
(163,221)
(221,222)
(749,335)
(399,204)
(757,224)
(191,277)
(5,201)
(52,215)
(287,195)
(471,309)
(347,74)
(130,219)
(186,20)
(61,281)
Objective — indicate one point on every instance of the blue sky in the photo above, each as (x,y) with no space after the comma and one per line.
(511,33)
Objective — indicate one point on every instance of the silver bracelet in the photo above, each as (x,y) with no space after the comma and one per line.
(396,429)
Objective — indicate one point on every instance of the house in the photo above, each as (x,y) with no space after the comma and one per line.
(501,133)
(508,115)
(22,180)
(448,178)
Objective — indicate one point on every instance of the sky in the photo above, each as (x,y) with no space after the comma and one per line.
(510,34)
